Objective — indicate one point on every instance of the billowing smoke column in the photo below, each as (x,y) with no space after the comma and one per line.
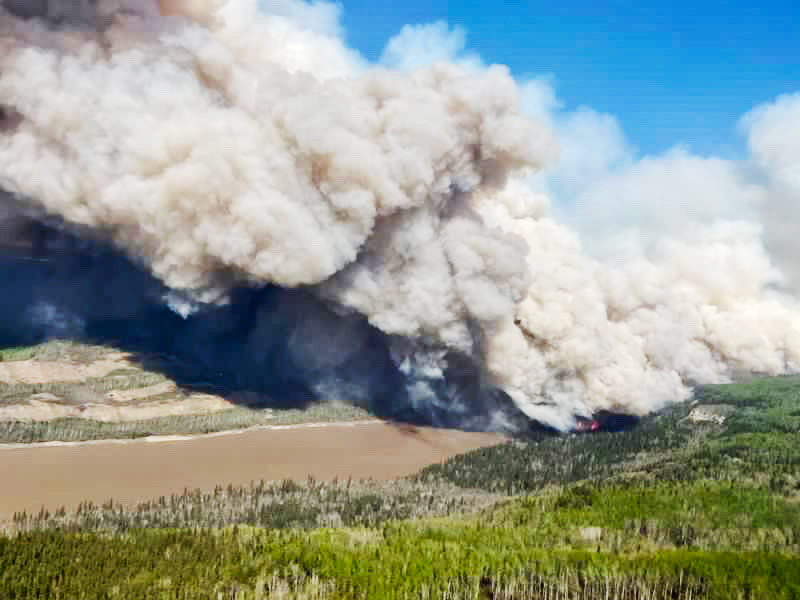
(383,214)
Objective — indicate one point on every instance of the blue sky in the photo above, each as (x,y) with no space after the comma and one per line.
(679,72)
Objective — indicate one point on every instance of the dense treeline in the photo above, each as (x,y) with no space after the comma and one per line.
(633,515)
(758,442)
(533,462)
(275,505)
(72,429)
(673,509)
(625,516)
(762,406)
(399,562)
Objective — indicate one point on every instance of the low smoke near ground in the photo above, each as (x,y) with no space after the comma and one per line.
(227,181)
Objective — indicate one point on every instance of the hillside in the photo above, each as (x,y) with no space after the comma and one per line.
(69,391)
(700,501)
(756,444)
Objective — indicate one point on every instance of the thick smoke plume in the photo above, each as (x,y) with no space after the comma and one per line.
(387,216)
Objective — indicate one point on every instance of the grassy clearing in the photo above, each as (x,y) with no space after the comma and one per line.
(92,391)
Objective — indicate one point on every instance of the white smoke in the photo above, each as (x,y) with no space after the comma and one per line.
(773,132)
(221,142)
(423,45)
(57,322)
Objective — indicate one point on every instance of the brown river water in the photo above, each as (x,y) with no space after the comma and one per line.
(131,471)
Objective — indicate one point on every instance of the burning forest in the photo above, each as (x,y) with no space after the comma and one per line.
(230,185)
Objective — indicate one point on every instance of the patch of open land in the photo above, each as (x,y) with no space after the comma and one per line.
(70,380)
(134,471)
(68,391)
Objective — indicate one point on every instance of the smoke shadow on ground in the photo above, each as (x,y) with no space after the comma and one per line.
(615,422)
(267,347)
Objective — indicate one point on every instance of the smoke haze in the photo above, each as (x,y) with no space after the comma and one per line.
(409,236)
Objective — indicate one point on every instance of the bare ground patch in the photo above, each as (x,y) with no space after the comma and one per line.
(36,371)
(61,380)
(37,409)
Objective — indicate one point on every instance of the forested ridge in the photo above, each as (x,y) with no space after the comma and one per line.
(677,507)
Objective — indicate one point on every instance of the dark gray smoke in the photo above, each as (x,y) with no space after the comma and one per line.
(95,15)
(54,11)
(286,347)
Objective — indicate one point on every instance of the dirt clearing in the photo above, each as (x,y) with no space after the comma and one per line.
(138,470)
